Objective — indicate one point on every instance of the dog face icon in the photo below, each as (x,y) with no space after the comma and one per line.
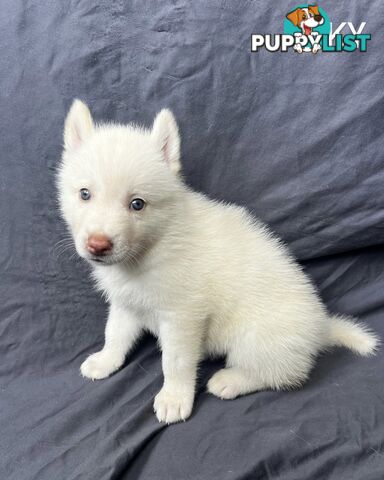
(306,18)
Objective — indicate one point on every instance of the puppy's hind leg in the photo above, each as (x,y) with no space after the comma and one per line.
(275,363)
(231,382)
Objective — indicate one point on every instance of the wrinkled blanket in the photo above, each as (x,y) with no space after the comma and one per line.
(298,139)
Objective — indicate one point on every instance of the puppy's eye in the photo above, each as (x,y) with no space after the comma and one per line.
(85,194)
(137,204)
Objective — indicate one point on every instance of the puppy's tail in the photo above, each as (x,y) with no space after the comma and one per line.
(346,332)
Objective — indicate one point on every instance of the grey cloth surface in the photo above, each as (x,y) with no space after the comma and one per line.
(298,139)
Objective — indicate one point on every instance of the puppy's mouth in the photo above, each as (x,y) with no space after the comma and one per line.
(119,255)
(99,260)
(103,260)
(307,30)
(112,258)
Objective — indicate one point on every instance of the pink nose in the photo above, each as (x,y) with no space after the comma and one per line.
(99,244)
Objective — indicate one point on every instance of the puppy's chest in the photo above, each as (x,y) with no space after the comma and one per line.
(141,295)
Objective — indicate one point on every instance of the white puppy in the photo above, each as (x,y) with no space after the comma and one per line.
(204,277)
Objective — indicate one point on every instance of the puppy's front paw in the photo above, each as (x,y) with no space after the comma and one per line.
(172,406)
(101,365)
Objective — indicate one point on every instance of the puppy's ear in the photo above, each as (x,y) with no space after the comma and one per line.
(166,135)
(78,125)
(294,17)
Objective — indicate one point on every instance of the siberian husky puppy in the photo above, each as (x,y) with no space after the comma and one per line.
(205,277)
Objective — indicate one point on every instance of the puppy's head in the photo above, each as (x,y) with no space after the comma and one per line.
(118,185)
(306,18)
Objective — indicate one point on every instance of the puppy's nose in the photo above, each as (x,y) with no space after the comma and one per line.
(99,244)
(318,18)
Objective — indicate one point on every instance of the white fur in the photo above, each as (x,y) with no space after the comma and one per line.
(205,277)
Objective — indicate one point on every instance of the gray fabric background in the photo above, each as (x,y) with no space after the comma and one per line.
(297,139)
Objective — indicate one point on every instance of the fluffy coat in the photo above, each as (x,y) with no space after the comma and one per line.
(204,277)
